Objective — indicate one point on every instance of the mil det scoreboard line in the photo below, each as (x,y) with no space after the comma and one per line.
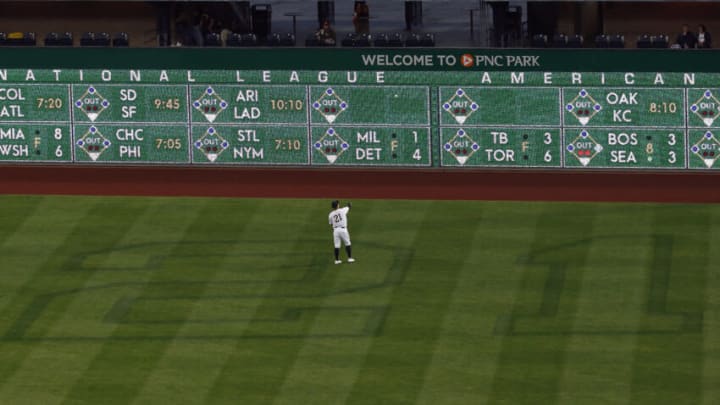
(392,119)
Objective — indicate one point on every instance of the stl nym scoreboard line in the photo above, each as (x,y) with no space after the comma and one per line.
(443,108)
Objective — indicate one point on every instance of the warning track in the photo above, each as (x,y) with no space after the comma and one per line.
(356,183)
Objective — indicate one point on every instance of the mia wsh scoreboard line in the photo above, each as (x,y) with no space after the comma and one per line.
(389,112)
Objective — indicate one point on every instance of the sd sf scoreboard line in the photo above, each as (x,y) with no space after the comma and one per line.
(366,118)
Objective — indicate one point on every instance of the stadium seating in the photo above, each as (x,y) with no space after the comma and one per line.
(286,39)
(389,40)
(560,41)
(656,41)
(258,18)
(427,40)
(539,41)
(121,39)
(311,41)
(233,40)
(644,41)
(616,41)
(352,39)
(212,39)
(412,40)
(17,39)
(602,41)
(420,40)
(356,40)
(575,41)
(660,41)
(381,40)
(242,40)
(59,39)
(95,39)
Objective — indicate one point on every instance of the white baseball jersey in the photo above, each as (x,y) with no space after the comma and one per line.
(338,217)
(338,220)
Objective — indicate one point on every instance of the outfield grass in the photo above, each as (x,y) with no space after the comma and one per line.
(184,301)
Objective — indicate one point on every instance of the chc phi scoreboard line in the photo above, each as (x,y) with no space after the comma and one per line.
(624,120)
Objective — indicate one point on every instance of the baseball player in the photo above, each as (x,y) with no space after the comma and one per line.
(338,221)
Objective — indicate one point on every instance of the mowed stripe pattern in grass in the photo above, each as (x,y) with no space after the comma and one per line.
(191,300)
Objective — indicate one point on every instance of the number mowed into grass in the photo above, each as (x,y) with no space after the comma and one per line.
(238,301)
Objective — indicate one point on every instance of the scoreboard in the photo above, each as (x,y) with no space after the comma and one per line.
(449,108)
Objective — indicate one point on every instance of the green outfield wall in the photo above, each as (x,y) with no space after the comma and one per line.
(455,108)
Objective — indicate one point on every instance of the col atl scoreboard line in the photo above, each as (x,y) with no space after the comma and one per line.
(398,118)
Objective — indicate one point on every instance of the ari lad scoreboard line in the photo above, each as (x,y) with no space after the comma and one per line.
(624,120)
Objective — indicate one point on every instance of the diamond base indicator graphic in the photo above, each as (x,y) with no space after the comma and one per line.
(491,147)
(331,145)
(92,103)
(611,107)
(211,144)
(35,143)
(210,104)
(704,149)
(461,146)
(93,143)
(330,105)
(499,106)
(584,148)
(705,108)
(250,145)
(583,107)
(371,146)
(620,148)
(132,143)
(370,105)
(460,106)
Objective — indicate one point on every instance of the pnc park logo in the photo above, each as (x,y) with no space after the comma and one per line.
(467,60)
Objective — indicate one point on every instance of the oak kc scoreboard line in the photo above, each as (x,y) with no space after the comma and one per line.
(416,111)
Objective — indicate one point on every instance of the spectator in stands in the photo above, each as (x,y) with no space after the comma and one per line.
(196,29)
(162,13)
(361,18)
(326,35)
(206,25)
(184,33)
(704,40)
(225,32)
(686,39)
